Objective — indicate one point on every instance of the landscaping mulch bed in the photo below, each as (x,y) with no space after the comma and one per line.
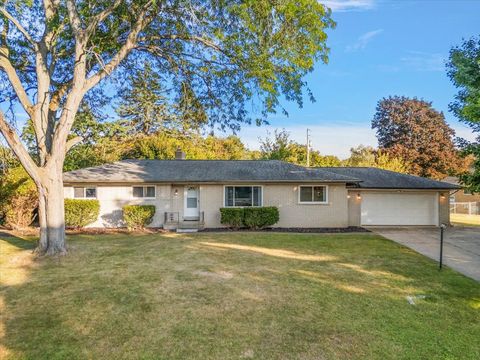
(350,229)
(99,231)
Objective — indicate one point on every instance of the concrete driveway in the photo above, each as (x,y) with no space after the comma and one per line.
(461,248)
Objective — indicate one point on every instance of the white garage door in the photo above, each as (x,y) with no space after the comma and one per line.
(399,209)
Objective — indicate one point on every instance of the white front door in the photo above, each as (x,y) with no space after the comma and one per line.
(190,209)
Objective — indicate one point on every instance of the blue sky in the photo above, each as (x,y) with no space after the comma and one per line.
(379,48)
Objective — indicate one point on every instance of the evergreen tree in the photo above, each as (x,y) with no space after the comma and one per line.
(143,106)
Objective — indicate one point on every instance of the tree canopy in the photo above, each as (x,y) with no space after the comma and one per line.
(281,147)
(464,71)
(412,130)
(367,156)
(144,106)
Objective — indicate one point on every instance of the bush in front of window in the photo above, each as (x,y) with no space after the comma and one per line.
(79,213)
(232,217)
(137,217)
(260,217)
(250,217)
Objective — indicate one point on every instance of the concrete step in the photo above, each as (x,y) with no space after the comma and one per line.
(180,230)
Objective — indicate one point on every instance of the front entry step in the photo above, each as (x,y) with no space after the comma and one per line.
(189,226)
(180,230)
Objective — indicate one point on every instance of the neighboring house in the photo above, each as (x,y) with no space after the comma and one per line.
(463,201)
(461,195)
(190,193)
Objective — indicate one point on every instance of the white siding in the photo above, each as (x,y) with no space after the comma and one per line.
(113,198)
(285,197)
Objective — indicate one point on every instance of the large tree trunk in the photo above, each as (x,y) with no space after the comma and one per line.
(51,214)
(42,220)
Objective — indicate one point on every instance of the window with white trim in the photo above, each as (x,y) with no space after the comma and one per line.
(312,194)
(146,192)
(85,192)
(239,196)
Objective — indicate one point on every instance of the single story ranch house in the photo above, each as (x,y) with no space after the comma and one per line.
(189,193)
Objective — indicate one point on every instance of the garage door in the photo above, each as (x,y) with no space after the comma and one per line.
(399,209)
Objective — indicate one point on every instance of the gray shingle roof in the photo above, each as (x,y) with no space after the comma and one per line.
(372,178)
(204,171)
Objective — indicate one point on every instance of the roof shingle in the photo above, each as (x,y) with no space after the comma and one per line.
(224,171)
(206,171)
(373,178)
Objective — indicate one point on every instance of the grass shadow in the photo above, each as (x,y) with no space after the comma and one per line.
(19,242)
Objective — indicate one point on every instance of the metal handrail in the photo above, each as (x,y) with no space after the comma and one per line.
(171,217)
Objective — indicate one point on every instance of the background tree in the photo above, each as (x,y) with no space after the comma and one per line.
(190,112)
(367,156)
(163,146)
(410,129)
(55,53)
(8,159)
(281,147)
(143,106)
(277,147)
(464,71)
(361,156)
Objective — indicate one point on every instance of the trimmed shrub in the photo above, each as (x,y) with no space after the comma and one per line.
(233,217)
(260,217)
(250,217)
(138,216)
(79,213)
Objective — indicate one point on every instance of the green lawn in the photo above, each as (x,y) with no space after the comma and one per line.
(233,296)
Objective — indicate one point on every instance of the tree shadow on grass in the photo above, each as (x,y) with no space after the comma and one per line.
(19,242)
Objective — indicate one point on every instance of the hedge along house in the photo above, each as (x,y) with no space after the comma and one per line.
(188,194)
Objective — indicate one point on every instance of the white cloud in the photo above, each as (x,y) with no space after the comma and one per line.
(422,61)
(363,40)
(463,131)
(349,5)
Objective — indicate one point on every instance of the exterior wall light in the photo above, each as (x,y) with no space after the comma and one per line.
(442,196)
(348,196)
(175,193)
(359,197)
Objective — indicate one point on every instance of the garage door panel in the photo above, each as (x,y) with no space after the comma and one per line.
(399,209)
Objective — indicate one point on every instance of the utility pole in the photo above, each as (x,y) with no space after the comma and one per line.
(308,147)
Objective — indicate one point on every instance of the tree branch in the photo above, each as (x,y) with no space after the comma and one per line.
(75,20)
(18,148)
(7,66)
(130,43)
(18,26)
(57,96)
(93,22)
(184,37)
(72,142)
(81,84)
